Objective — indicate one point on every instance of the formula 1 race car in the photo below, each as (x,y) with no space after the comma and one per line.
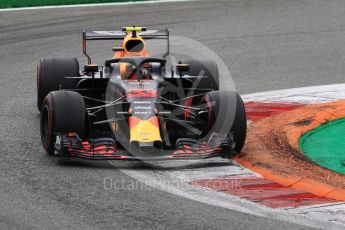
(133,107)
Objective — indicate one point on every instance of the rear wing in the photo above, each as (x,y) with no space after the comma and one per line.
(119,35)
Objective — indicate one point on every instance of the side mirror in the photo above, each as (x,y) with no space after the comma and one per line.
(182,68)
(91,69)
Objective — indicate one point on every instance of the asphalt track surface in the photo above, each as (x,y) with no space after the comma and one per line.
(267,44)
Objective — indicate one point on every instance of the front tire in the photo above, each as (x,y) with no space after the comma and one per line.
(62,112)
(226,114)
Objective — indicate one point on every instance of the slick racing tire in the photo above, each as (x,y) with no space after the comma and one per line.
(62,112)
(226,113)
(51,73)
(206,68)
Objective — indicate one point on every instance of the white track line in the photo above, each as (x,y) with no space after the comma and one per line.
(333,213)
(90,5)
(305,95)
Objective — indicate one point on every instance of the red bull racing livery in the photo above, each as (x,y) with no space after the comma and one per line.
(135,108)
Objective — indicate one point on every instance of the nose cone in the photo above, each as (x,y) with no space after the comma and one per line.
(144,131)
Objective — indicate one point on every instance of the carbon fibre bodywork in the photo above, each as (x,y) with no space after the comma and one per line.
(136,109)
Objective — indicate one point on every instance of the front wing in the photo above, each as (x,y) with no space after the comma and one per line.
(69,146)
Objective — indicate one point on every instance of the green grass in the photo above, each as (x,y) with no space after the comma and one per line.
(325,145)
(28,3)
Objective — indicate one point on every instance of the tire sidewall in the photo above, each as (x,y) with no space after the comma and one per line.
(48,140)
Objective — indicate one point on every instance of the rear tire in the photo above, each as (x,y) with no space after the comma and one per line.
(62,112)
(207,68)
(222,117)
(51,73)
